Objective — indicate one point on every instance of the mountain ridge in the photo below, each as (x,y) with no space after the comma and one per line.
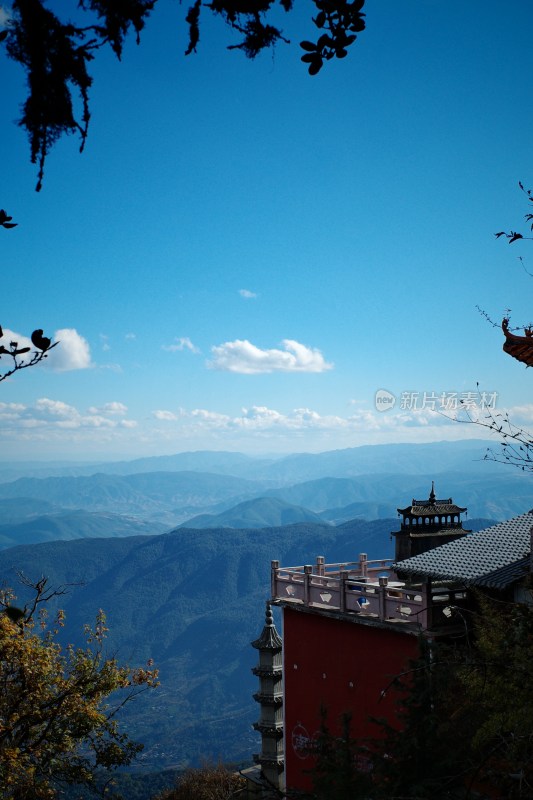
(300,466)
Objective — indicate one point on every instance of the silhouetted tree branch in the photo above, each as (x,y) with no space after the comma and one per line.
(513,236)
(516,443)
(5,220)
(516,447)
(55,52)
(42,345)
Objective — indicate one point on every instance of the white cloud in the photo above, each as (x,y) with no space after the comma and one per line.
(181,343)
(247,294)
(244,357)
(520,415)
(210,416)
(113,408)
(261,418)
(130,336)
(72,352)
(16,407)
(10,411)
(261,427)
(96,421)
(262,413)
(54,414)
(161,414)
(54,426)
(55,408)
(300,420)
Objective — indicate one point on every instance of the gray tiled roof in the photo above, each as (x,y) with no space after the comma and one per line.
(495,557)
(421,508)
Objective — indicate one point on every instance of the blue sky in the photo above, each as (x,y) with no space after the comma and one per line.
(244,255)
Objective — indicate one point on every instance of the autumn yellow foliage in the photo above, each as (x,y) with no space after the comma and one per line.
(57,721)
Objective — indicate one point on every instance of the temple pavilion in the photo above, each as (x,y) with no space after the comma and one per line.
(427,524)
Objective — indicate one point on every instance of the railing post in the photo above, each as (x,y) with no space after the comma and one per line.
(274,566)
(383,597)
(363,558)
(307,581)
(320,561)
(343,577)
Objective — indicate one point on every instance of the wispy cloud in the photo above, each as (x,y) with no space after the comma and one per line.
(59,425)
(180,344)
(114,409)
(49,414)
(263,418)
(211,417)
(104,339)
(247,294)
(130,336)
(10,412)
(244,357)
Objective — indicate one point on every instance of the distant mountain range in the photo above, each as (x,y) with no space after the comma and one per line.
(411,459)
(165,497)
(159,501)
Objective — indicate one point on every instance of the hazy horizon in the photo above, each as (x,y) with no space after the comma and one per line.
(109,457)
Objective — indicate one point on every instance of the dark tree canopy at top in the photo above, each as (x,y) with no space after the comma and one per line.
(56,53)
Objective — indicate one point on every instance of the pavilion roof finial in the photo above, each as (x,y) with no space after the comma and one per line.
(432,493)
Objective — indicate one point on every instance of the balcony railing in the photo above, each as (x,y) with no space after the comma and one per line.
(369,589)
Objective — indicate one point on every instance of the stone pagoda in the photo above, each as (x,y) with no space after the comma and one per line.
(270,699)
(427,524)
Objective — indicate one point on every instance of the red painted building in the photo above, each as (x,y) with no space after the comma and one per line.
(339,665)
(349,629)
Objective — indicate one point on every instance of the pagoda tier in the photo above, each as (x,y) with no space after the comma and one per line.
(427,524)
(267,672)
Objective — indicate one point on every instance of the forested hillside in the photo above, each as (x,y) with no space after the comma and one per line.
(192,600)
(69,525)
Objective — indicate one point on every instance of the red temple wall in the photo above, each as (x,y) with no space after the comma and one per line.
(341,666)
